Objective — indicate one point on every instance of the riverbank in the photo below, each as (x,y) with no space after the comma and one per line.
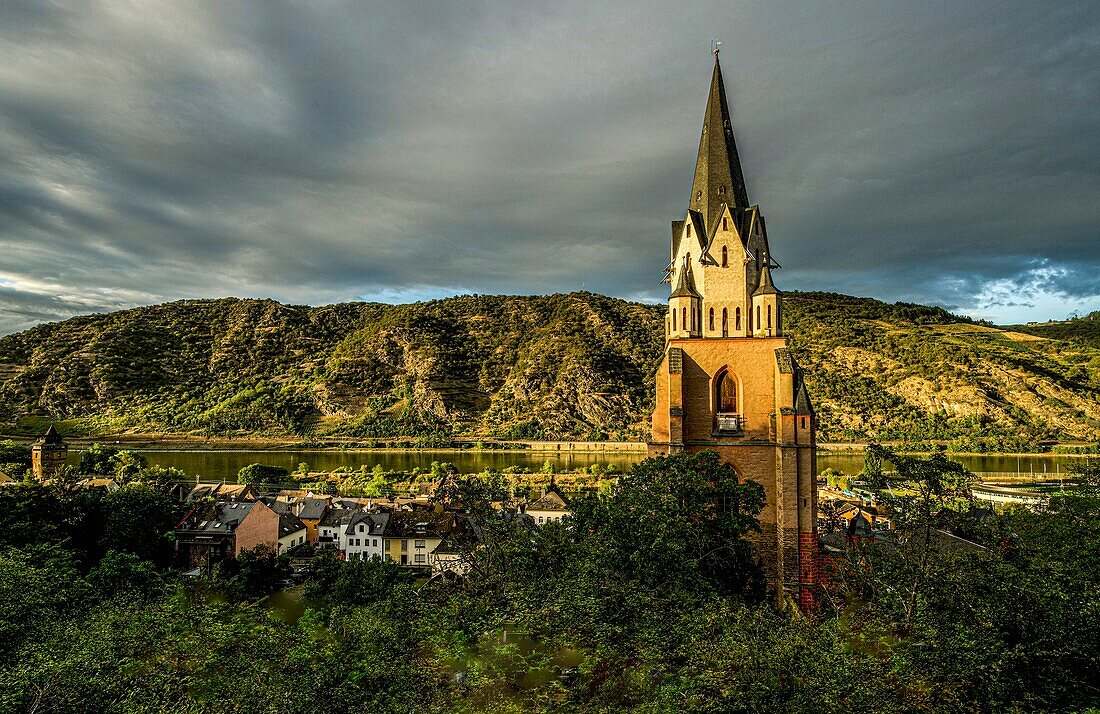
(188,442)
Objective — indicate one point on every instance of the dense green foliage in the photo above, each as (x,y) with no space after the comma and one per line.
(120,464)
(15,459)
(644,601)
(261,474)
(577,366)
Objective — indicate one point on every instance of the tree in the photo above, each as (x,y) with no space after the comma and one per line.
(137,519)
(127,465)
(253,574)
(98,460)
(162,478)
(125,574)
(354,582)
(262,474)
(679,522)
(122,465)
(15,458)
(920,493)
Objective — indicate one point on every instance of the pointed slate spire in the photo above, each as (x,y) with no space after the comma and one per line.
(802,405)
(765,286)
(52,436)
(718,177)
(685,284)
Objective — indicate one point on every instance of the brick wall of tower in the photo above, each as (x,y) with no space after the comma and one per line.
(47,460)
(776,448)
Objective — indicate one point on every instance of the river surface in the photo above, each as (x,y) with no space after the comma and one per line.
(219,465)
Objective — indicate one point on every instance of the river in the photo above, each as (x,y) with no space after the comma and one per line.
(219,465)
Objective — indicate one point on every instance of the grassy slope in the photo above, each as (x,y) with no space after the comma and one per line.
(560,366)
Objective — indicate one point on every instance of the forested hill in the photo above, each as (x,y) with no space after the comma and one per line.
(550,367)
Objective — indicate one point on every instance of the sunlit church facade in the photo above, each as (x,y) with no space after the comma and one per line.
(728,382)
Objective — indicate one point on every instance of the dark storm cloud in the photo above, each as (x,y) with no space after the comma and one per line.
(313,152)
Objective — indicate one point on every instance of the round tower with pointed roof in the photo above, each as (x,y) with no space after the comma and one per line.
(48,454)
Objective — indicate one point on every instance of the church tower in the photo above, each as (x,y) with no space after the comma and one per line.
(728,382)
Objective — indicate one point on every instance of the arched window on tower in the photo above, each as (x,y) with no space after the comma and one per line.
(757,317)
(725,254)
(684,318)
(727,417)
(769,317)
(725,323)
(737,319)
(711,320)
(673,311)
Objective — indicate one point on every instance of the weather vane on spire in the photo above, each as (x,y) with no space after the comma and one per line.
(717,42)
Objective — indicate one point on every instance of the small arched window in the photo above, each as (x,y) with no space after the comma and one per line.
(737,319)
(673,311)
(769,317)
(725,323)
(725,226)
(711,322)
(689,230)
(726,393)
(758,316)
(684,318)
(725,253)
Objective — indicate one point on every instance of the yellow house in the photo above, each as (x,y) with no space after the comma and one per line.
(412,536)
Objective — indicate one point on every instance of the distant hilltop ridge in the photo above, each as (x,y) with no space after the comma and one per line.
(574,366)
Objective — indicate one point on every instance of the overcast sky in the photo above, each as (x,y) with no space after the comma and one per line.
(314,152)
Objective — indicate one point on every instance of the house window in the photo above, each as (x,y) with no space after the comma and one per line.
(737,319)
(725,253)
(420,558)
(386,544)
(404,544)
(375,543)
(540,520)
(725,323)
(711,317)
(360,527)
(419,544)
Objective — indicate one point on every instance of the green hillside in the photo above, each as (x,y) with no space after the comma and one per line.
(576,366)
(1085,330)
